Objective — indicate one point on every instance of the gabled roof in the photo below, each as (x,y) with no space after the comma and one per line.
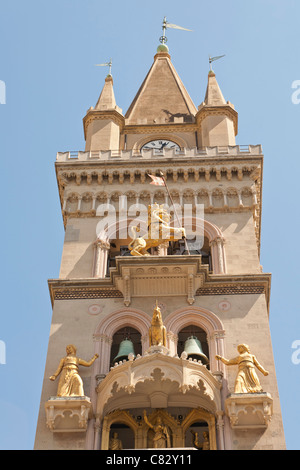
(162,97)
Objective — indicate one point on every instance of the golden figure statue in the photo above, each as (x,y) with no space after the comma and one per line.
(246,380)
(205,444)
(115,443)
(70,383)
(159,231)
(157,330)
(161,439)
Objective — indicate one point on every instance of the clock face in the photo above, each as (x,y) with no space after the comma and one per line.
(160,144)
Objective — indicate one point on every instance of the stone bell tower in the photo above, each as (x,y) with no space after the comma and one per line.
(166,328)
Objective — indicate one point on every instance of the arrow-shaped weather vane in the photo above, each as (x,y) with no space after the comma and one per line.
(212,59)
(107,64)
(163,39)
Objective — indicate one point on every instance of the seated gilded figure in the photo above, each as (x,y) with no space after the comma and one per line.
(70,383)
(246,380)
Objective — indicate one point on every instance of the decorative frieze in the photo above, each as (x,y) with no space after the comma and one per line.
(230,290)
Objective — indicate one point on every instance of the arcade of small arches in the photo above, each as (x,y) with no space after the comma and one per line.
(87,203)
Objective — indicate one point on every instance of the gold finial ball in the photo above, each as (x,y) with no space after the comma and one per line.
(162,48)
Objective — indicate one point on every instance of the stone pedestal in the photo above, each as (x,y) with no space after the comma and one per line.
(157,349)
(249,410)
(68,414)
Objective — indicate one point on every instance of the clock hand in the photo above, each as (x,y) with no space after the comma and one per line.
(163,145)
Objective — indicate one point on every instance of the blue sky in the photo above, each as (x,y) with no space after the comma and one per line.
(47,56)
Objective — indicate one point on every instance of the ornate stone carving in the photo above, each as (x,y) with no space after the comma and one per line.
(249,410)
(68,414)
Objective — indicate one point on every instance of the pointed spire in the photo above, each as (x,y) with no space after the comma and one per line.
(216,117)
(107,97)
(162,97)
(213,96)
(102,124)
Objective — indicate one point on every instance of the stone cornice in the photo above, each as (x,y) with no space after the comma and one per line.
(153,128)
(159,161)
(134,277)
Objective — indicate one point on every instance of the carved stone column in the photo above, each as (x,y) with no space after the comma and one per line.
(210,199)
(79,204)
(225,200)
(254,198)
(101,255)
(240,199)
(94,204)
(163,249)
(65,203)
(98,432)
(218,255)
(220,430)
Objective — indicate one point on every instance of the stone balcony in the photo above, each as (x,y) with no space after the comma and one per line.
(159,380)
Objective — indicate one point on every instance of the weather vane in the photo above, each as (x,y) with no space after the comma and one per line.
(163,39)
(107,64)
(212,59)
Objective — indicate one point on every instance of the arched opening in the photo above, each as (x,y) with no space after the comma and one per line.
(197,435)
(125,341)
(206,321)
(72,203)
(200,247)
(193,340)
(118,247)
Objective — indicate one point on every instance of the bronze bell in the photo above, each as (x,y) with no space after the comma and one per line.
(193,348)
(126,347)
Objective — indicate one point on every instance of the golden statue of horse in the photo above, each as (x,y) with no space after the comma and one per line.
(159,231)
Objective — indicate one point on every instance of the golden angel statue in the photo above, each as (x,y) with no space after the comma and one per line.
(70,383)
(157,330)
(246,380)
(161,439)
